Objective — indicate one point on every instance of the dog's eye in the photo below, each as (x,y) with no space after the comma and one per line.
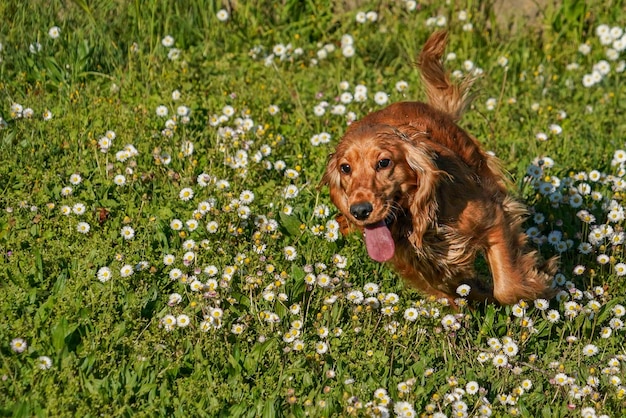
(384,163)
(345,168)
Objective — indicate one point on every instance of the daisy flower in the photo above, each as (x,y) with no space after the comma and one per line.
(119,180)
(321,347)
(338,110)
(404,410)
(371,288)
(619,311)
(561,379)
(590,350)
(518,311)
(188,257)
(212,227)
(290,253)
(273,109)
(216,313)
(43,362)
(372,16)
(449,322)
(196,286)
(317,111)
(541,304)
(472,387)
(325,137)
(204,207)
(243,211)
(175,274)
(78,209)
(75,179)
(381,98)
(290,192)
(323,280)
(411,314)
(192,224)
(585,248)
(161,111)
(126,270)
(54,32)
(169,322)
(510,349)
(174,299)
(555,129)
(463,290)
(168,259)
(553,316)
(176,224)
(331,235)
(246,197)
(321,211)
(237,329)
(182,320)
(186,194)
(500,360)
(19,345)
(211,270)
(404,387)
(483,357)
(104,144)
(222,15)
(402,86)
(346,97)
(83,227)
(127,232)
(167,41)
(291,174)
(104,274)
(571,309)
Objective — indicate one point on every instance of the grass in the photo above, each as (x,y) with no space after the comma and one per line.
(241,300)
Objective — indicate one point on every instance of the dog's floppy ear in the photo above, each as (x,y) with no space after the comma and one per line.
(331,175)
(332,179)
(423,205)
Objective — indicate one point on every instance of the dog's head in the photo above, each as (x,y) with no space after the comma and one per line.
(377,172)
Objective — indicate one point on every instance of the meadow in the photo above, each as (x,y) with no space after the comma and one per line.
(166,248)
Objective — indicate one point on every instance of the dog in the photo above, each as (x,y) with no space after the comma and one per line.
(428,198)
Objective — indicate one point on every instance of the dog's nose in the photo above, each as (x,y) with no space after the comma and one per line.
(361,210)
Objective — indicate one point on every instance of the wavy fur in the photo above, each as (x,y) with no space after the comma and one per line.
(443,197)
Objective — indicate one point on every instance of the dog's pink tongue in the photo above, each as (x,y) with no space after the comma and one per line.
(379,243)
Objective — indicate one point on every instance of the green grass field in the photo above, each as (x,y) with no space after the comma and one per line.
(166,250)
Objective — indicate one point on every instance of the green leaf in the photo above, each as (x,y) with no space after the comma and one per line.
(290,224)
(268,409)
(607,310)
(486,323)
(60,332)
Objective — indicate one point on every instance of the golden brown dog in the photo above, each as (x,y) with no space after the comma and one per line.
(428,198)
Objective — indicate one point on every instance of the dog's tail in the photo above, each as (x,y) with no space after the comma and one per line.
(442,94)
